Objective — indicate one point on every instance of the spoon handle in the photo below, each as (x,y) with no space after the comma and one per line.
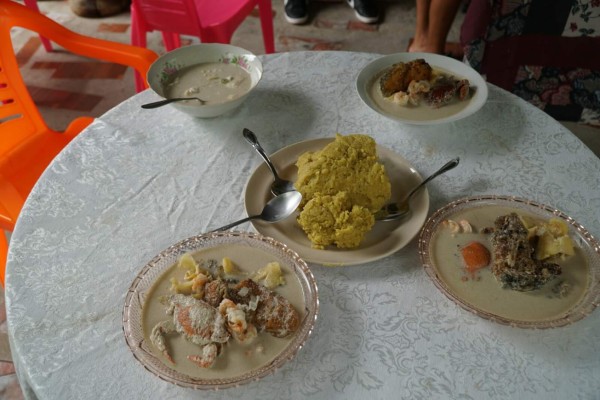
(253,140)
(161,103)
(447,167)
(236,223)
(394,211)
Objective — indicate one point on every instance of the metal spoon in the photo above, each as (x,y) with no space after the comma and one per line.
(396,211)
(167,101)
(279,185)
(278,208)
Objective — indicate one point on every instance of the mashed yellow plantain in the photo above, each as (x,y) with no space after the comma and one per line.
(342,185)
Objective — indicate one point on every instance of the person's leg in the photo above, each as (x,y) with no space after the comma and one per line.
(419,42)
(434,19)
(441,17)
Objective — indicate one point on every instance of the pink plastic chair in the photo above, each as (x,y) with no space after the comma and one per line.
(213,21)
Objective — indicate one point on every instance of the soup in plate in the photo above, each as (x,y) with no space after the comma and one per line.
(239,349)
(214,83)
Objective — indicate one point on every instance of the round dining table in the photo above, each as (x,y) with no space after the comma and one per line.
(137,181)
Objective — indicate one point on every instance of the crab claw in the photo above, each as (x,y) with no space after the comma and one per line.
(157,337)
(208,356)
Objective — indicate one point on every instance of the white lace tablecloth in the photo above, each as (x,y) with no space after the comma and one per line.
(137,181)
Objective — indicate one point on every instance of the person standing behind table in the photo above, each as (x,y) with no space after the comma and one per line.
(296,11)
(434,19)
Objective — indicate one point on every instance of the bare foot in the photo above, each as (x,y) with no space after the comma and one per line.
(420,46)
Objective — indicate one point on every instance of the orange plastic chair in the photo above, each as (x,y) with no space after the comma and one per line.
(210,20)
(27,144)
(3,250)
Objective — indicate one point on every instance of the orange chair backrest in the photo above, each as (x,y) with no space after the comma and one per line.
(21,124)
(27,145)
(17,110)
(18,113)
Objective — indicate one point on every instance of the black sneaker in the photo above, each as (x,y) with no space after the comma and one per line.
(296,11)
(366,10)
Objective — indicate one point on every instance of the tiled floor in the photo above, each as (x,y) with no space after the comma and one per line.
(66,86)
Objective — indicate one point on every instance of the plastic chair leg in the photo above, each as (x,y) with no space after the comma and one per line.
(266,22)
(218,34)
(139,82)
(138,38)
(45,42)
(171,40)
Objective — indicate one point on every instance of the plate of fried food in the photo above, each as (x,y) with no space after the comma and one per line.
(220,309)
(513,261)
(421,88)
(344,181)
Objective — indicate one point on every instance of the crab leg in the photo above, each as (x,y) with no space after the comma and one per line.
(157,337)
(207,357)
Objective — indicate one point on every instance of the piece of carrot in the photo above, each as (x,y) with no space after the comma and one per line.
(475,256)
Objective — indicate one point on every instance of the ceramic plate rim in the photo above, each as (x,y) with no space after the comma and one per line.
(591,297)
(261,179)
(133,308)
(367,74)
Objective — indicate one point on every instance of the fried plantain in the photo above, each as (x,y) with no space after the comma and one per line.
(400,75)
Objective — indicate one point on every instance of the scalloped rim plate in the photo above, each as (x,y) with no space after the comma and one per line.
(153,270)
(384,239)
(589,245)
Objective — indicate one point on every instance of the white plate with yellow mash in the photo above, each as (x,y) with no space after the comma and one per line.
(384,239)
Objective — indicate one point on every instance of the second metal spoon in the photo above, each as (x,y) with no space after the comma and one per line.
(167,101)
(278,208)
(395,211)
(279,185)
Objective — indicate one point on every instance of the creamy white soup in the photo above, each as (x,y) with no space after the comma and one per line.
(214,83)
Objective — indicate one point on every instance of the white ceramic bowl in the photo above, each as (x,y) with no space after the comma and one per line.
(372,71)
(166,67)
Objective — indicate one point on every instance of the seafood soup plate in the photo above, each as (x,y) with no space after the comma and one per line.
(371,73)
(569,297)
(249,249)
